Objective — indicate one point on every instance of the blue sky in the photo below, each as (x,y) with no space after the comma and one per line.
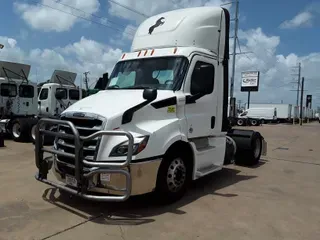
(49,39)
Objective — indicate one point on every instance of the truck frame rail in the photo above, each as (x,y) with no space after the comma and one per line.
(81,189)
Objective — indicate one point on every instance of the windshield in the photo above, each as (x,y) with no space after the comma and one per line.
(165,73)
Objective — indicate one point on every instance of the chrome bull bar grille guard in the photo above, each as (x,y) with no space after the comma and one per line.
(94,167)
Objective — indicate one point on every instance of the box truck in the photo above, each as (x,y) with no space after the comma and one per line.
(264,115)
(284,111)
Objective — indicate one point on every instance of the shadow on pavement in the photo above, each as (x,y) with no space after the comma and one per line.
(140,209)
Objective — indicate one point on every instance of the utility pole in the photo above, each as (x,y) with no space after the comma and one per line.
(299,75)
(301,101)
(298,82)
(86,80)
(235,37)
(298,88)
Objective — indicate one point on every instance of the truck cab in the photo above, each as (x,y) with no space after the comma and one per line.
(162,119)
(18,95)
(58,94)
(18,99)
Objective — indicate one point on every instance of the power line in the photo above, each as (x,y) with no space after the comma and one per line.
(100,23)
(128,8)
(94,15)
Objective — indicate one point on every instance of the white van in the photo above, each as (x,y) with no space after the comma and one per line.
(263,114)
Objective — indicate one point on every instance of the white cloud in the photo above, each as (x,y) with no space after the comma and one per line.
(138,10)
(48,18)
(275,69)
(303,19)
(81,56)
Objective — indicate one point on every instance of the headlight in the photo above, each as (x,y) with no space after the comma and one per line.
(121,149)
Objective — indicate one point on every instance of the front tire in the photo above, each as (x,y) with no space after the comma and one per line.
(173,177)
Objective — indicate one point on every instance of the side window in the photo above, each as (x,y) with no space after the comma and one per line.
(26,91)
(65,96)
(202,79)
(74,94)
(44,94)
(8,90)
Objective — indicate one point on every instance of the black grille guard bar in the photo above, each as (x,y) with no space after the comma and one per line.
(97,167)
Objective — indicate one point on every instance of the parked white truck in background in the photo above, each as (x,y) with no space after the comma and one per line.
(18,99)
(283,110)
(20,104)
(162,120)
(265,115)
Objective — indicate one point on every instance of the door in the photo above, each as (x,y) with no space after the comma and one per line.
(27,99)
(203,100)
(44,102)
(201,113)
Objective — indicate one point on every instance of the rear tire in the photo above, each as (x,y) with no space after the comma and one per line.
(19,130)
(254,122)
(262,121)
(173,177)
(250,157)
(240,122)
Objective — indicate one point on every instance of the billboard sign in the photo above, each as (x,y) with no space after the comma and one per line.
(250,81)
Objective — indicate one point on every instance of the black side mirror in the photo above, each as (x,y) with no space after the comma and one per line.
(60,94)
(202,80)
(150,94)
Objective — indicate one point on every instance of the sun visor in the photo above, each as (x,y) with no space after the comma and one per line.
(63,77)
(14,70)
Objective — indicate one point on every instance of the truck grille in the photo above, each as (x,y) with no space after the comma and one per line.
(86,127)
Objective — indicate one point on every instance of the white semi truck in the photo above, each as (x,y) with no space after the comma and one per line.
(162,120)
(20,104)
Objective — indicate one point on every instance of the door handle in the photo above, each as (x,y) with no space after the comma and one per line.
(213,121)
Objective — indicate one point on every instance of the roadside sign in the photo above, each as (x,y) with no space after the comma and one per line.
(250,81)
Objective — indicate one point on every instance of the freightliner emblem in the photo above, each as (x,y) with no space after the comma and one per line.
(158,23)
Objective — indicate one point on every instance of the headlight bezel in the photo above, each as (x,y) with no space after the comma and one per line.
(139,145)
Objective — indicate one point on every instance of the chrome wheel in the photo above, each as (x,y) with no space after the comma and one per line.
(257,149)
(176,175)
(33,132)
(16,131)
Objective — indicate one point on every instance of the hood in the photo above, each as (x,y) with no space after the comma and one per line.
(110,103)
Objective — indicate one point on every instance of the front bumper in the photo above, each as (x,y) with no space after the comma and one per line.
(143,178)
(125,178)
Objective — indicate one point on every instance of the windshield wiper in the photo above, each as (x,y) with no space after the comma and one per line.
(113,87)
